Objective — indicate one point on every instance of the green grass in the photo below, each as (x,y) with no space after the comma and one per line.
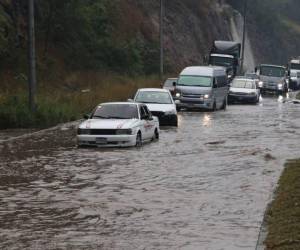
(68,100)
(298,96)
(283,216)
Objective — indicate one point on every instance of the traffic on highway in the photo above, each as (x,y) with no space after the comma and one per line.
(209,149)
(210,88)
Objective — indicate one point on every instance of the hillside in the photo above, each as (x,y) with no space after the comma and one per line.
(123,35)
(109,47)
(117,35)
(274,29)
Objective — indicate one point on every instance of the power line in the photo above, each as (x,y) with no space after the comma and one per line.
(161,38)
(244,35)
(31,57)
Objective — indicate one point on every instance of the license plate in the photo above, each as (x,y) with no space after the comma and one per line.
(101,141)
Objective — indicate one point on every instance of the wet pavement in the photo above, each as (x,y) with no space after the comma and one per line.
(204,185)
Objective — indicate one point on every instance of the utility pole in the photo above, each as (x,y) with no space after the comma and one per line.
(244,36)
(31,57)
(161,38)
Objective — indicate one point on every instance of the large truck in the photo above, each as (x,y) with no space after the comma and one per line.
(226,54)
(272,78)
(294,74)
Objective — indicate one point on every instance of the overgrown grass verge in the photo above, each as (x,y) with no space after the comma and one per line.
(67,100)
(298,96)
(283,216)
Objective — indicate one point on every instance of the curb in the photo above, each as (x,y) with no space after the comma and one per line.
(63,126)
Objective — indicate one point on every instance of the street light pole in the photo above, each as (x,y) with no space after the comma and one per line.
(244,36)
(31,57)
(161,38)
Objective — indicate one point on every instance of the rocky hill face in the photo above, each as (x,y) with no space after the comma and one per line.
(273,28)
(123,35)
(189,28)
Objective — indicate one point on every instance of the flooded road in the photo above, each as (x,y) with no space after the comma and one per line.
(204,185)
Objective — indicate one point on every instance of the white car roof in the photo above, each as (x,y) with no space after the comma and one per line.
(153,90)
(222,55)
(203,70)
(244,79)
(272,65)
(296,61)
(118,103)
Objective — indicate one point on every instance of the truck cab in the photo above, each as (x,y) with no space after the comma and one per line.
(226,54)
(294,74)
(272,78)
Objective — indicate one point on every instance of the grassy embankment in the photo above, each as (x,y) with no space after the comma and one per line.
(66,99)
(283,217)
(298,96)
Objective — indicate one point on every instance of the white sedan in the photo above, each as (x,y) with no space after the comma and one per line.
(118,125)
(243,90)
(160,103)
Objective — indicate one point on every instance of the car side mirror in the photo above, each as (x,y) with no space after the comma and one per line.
(214,84)
(86,116)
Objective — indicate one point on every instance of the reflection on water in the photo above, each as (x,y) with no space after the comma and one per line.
(206,121)
(204,185)
(280,98)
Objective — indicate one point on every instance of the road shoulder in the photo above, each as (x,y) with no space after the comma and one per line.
(282,220)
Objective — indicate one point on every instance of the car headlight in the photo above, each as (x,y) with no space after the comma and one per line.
(280,85)
(260,84)
(206,96)
(81,131)
(287,80)
(229,76)
(178,95)
(123,131)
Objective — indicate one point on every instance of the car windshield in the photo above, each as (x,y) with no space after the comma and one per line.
(251,76)
(196,81)
(243,84)
(295,66)
(221,61)
(116,111)
(272,71)
(153,97)
(169,82)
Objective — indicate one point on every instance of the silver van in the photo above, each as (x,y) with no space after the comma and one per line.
(203,87)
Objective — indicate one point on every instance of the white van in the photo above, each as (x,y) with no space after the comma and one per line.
(203,87)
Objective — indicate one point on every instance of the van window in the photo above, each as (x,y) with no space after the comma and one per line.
(197,81)
(221,81)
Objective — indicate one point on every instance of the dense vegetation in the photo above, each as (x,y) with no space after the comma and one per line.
(95,35)
(81,42)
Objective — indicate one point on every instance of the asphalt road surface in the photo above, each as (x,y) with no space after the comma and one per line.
(204,185)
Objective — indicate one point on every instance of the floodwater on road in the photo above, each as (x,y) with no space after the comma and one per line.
(204,185)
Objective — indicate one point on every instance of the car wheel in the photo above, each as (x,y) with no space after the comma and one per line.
(174,121)
(139,141)
(214,108)
(156,135)
(224,106)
